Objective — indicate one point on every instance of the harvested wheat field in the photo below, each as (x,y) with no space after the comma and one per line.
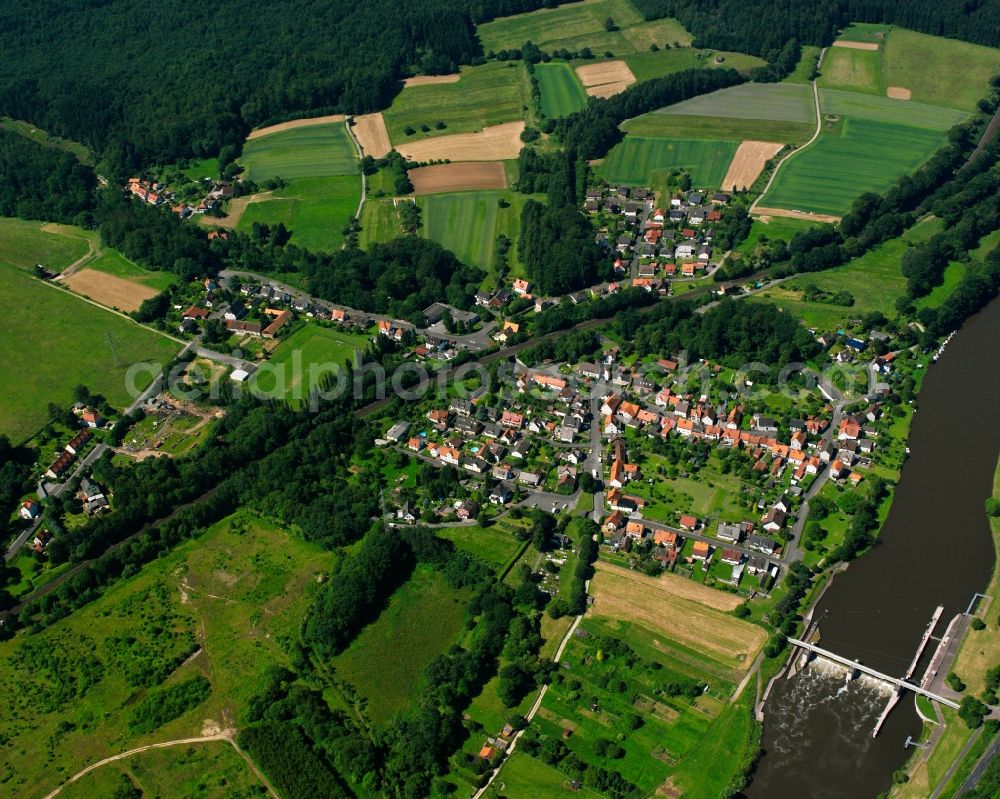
(763,213)
(115,292)
(370,131)
(430,80)
(605,79)
(898,93)
(748,163)
(855,45)
(682,610)
(294,123)
(494,143)
(460,176)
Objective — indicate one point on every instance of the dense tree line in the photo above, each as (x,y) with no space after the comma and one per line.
(763,28)
(15,476)
(586,551)
(291,761)
(979,285)
(557,249)
(139,84)
(43,182)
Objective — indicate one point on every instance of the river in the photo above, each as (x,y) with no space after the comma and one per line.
(934,549)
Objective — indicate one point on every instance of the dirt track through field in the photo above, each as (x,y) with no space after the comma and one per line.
(110,290)
(898,93)
(605,79)
(460,176)
(431,80)
(748,163)
(678,608)
(371,133)
(807,215)
(855,45)
(495,143)
(294,123)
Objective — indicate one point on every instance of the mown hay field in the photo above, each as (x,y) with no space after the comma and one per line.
(636,160)
(562,92)
(299,152)
(787,102)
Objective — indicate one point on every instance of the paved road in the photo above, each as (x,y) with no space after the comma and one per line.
(977,771)
(773,560)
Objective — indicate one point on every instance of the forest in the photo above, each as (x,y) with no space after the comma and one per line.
(140,82)
(40,182)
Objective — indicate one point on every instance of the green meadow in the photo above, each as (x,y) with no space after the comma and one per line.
(469,222)
(865,32)
(495,544)
(114,263)
(386,662)
(786,102)
(294,367)
(648,65)
(853,70)
(315,209)
(875,280)
(803,70)
(24,244)
(635,160)
(29,131)
(55,341)
(718,128)
(379,222)
(311,151)
(562,92)
(484,95)
(883,109)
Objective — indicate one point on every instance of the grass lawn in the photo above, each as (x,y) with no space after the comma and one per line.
(635,160)
(238,593)
(874,280)
(803,70)
(385,664)
(485,95)
(24,244)
(854,156)
(939,71)
(379,222)
(60,341)
(986,244)
(647,65)
(562,92)
(114,263)
(853,70)
(953,275)
(776,227)
(469,222)
(495,544)
(306,152)
(211,770)
(525,777)
(656,124)
(301,361)
(199,168)
(315,209)
(865,32)
(784,102)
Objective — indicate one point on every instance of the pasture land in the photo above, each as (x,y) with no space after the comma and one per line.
(386,662)
(224,605)
(875,280)
(458,177)
(771,229)
(301,152)
(305,122)
(56,341)
(107,289)
(372,135)
(864,33)
(748,163)
(784,102)
(199,168)
(636,160)
(495,544)
(715,128)
(114,263)
(24,244)
(858,155)
(852,70)
(939,71)
(803,70)
(379,222)
(486,95)
(499,142)
(699,619)
(468,223)
(885,109)
(524,777)
(211,770)
(561,91)
(299,363)
(314,209)
(649,65)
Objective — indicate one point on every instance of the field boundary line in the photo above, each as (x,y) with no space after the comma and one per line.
(819,128)
(364,180)
(226,736)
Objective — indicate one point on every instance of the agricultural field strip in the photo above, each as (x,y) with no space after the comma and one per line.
(785,102)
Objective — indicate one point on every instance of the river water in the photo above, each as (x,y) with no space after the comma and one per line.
(935,549)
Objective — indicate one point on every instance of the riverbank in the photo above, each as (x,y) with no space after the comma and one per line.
(940,768)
